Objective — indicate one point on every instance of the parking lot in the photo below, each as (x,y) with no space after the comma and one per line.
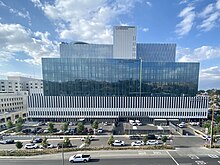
(122,131)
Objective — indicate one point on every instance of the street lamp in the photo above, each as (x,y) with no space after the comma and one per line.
(212,127)
(62,155)
(140,75)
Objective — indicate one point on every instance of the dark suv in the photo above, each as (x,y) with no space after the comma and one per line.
(135,137)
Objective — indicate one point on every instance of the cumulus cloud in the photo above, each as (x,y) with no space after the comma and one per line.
(85,20)
(210,73)
(188,15)
(6,74)
(24,14)
(16,38)
(199,54)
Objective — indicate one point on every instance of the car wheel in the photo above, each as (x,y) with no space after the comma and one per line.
(85,161)
(71,161)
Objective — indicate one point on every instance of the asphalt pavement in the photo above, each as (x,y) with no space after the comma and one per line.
(189,156)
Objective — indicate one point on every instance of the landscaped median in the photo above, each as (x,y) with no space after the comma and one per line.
(23,152)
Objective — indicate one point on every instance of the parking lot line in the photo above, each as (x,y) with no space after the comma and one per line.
(172,158)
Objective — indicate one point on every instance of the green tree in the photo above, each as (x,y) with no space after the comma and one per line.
(80,128)
(164,139)
(64,127)
(18,127)
(67,142)
(111,140)
(44,143)
(19,144)
(87,141)
(145,139)
(50,127)
(95,124)
(9,124)
(20,120)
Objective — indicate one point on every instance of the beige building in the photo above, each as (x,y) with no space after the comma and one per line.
(12,106)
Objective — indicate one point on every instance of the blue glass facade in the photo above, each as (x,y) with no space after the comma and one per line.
(156,52)
(85,50)
(114,77)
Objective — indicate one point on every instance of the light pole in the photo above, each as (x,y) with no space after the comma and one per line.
(140,75)
(212,127)
(62,155)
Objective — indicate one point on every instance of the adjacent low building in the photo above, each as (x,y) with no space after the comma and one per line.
(12,106)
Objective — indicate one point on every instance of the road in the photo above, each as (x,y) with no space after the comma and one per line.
(182,156)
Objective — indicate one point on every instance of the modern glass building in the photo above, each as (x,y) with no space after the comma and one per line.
(89,81)
(113,77)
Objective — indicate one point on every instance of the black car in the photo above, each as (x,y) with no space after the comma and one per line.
(135,137)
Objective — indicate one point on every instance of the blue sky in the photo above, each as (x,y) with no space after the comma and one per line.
(32,29)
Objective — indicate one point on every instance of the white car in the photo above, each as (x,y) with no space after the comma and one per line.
(31,146)
(79,158)
(137,143)
(100,130)
(152,142)
(118,143)
(48,146)
(84,138)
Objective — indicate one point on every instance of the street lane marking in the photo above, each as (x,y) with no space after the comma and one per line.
(172,158)
(192,156)
(213,156)
(157,153)
(200,162)
(219,161)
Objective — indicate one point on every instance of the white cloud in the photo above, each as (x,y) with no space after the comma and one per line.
(15,38)
(145,29)
(210,22)
(24,14)
(188,15)
(37,3)
(149,3)
(183,1)
(85,20)
(209,78)
(218,4)
(210,16)
(6,74)
(2,4)
(198,54)
(209,9)
(210,73)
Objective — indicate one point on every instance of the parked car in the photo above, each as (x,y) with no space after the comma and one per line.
(138,122)
(8,141)
(100,130)
(151,137)
(48,146)
(37,140)
(152,142)
(64,145)
(135,137)
(206,137)
(84,138)
(79,158)
(137,143)
(118,143)
(31,146)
